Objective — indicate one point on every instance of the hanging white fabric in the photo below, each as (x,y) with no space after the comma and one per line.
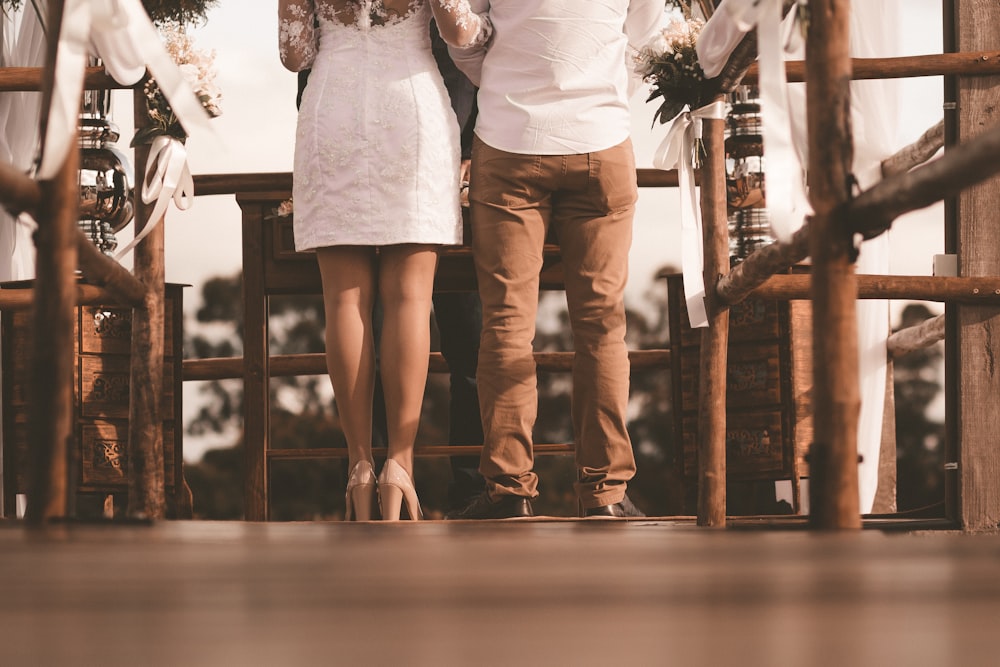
(23,45)
(787,203)
(125,39)
(678,150)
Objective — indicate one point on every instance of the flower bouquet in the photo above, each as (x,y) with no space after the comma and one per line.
(670,63)
(198,69)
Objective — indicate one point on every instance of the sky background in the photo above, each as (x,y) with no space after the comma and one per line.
(256,133)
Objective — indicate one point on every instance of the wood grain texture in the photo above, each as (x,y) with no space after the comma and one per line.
(978,249)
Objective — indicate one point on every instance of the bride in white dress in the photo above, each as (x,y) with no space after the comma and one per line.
(376,191)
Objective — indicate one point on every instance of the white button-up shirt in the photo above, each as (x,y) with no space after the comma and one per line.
(554,80)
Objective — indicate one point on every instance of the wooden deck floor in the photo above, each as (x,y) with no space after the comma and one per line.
(576,592)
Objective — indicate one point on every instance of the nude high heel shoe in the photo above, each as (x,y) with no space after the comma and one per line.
(395,486)
(360,496)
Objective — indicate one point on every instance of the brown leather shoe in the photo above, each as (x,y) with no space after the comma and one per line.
(504,507)
(621,510)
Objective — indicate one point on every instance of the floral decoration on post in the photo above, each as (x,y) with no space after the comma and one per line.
(198,68)
(670,64)
(167,175)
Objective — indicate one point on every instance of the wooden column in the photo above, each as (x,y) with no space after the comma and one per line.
(146,486)
(715,338)
(833,459)
(50,397)
(977,348)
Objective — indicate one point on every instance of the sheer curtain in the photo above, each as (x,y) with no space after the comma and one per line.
(874,119)
(23,45)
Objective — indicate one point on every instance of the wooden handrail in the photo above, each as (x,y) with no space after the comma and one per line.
(281,181)
(419,450)
(285,365)
(29,79)
(917,337)
(981,63)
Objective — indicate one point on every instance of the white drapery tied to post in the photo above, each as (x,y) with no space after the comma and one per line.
(123,36)
(787,203)
(678,151)
(167,178)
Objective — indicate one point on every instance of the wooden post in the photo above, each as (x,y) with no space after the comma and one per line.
(715,338)
(833,459)
(978,346)
(50,403)
(146,487)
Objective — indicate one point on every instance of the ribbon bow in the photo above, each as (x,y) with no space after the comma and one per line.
(677,151)
(167,178)
(123,36)
(125,39)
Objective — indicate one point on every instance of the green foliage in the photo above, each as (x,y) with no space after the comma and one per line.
(161,12)
(183,12)
(920,448)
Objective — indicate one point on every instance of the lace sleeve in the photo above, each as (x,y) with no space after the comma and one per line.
(459,25)
(297,37)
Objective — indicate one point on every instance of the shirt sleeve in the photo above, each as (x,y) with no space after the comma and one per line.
(459,25)
(469,59)
(298,39)
(644,20)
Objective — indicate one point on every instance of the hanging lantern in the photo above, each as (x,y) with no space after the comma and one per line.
(106,189)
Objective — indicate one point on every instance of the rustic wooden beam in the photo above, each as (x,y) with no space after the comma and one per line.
(760,265)
(101,270)
(50,404)
(229,184)
(18,192)
(707,8)
(714,338)
(923,335)
(16,298)
(971,162)
(977,247)
(973,290)
(29,79)
(146,485)
(740,61)
(917,153)
(285,365)
(978,63)
(419,450)
(833,457)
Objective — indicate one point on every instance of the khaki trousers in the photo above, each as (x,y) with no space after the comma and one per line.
(588,203)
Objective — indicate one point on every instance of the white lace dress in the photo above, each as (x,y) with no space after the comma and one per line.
(377,144)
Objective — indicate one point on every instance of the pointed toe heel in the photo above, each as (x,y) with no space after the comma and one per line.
(395,488)
(361,492)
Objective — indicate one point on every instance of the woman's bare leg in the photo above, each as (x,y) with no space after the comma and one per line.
(348,275)
(406,281)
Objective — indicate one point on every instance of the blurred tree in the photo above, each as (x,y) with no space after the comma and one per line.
(303,415)
(919,440)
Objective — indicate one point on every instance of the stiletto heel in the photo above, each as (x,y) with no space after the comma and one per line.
(360,492)
(394,487)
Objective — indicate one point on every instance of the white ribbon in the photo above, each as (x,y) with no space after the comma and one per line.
(125,39)
(167,177)
(784,177)
(787,203)
(677,151)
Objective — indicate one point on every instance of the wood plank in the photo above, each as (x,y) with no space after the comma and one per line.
(715,338)
(978,249)
(436,592)
(314,363)
(833,458)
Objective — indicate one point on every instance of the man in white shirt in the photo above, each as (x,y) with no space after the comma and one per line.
(552,154)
